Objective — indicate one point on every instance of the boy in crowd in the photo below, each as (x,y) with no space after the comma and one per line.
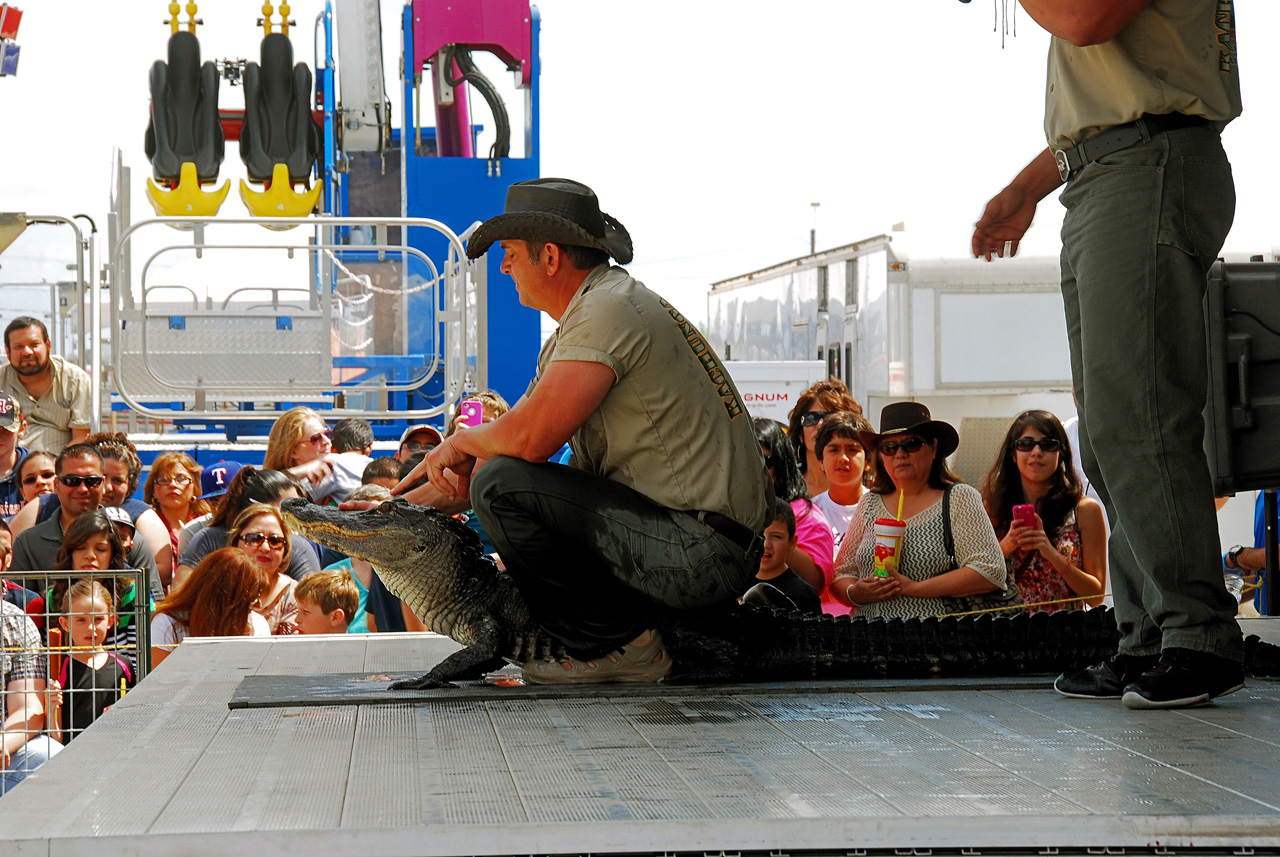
(782,587)
(352,443)
(383,471)
(844,461)
(328,601)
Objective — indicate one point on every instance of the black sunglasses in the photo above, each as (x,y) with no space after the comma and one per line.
(1026,444)
(813,418)
(909,444)
(72,481)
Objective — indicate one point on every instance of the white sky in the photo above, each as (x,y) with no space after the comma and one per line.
(707,128)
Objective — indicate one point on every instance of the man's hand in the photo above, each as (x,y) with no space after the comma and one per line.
(1003,223)
(444,457)
(1008,215)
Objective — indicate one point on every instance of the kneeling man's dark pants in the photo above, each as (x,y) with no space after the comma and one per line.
(595,559)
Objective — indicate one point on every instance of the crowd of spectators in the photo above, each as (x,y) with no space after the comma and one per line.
(213,553)
(964,548)
(218,559)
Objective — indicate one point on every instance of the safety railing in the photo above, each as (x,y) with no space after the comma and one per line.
(216,355)
(74,642)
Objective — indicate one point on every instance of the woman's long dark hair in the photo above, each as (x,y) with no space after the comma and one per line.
(1002,487)
(83,528)
(251,485)
(788,482)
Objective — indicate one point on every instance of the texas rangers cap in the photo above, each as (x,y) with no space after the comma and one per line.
(216,478)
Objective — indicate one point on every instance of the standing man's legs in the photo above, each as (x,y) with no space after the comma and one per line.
(1142,227)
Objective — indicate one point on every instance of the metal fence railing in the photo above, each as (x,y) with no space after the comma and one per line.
(74,642)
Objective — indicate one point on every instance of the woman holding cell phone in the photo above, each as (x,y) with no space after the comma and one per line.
(1052,536)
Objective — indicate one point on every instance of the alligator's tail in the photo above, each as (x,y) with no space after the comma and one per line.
(753,643)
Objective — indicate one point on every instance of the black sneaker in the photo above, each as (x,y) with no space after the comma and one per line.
(1106,680)
(1184,677)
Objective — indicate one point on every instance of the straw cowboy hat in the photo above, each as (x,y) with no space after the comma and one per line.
(911,418)
(561,211)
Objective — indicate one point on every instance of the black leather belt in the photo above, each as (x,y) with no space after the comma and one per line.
(727,527)
(1114,139)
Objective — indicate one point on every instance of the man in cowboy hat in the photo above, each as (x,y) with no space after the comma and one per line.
(667,495)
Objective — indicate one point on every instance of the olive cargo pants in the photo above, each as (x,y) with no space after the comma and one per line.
(1141,229)
(596,560)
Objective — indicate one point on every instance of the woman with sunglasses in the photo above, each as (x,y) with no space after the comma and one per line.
(251,485)
(299,445)
(171,491)
(911,483)
(815,405)
(261,532)
(1062,555)
(215,601)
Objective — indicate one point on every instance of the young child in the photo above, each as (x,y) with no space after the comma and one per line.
(327,602)
(789,589)
(92,679)
(844,461)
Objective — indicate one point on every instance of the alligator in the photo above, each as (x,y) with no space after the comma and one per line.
(435,564)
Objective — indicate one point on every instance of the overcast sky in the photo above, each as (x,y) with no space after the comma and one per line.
(707,128)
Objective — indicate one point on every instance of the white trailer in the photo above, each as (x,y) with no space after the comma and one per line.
(976,341)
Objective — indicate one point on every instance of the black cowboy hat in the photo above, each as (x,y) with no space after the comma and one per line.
(914,418)
(561,211)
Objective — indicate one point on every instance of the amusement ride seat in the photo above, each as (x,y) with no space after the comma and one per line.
(184,139)
(280,141)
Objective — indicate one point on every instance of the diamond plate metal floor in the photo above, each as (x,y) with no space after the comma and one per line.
(1003,766)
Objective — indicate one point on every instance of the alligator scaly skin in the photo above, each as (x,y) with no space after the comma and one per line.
(435,565)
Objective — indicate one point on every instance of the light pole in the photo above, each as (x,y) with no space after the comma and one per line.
(813,233)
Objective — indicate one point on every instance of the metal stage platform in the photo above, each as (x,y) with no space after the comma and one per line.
(969,767)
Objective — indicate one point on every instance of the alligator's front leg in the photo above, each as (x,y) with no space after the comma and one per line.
(472,662)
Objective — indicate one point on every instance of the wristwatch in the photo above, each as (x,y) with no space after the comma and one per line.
(1233,556)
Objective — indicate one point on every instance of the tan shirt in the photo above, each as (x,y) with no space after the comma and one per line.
(672,427)
(63,407)
(1176,56)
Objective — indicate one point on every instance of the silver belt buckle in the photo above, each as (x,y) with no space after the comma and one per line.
(1064,168)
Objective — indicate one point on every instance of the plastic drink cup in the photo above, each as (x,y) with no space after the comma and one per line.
(888,533)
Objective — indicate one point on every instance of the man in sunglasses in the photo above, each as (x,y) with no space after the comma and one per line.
(79,490)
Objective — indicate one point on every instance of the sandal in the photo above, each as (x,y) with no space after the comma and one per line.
(647,663)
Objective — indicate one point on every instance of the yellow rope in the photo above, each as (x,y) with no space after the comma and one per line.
(1022,606)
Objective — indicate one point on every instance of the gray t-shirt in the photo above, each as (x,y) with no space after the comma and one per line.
(673,426)
(302,556)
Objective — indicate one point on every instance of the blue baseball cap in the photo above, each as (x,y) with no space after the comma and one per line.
(216,478)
